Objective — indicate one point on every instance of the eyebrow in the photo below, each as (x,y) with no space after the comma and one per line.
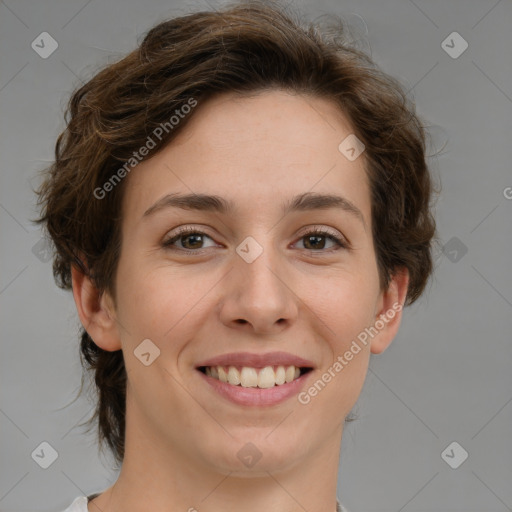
(211,203)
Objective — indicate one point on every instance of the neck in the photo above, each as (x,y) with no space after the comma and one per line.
(160,480)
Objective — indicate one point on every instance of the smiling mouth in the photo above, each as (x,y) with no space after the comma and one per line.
(249,377)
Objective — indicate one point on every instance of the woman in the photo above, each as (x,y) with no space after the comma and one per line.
(241,207)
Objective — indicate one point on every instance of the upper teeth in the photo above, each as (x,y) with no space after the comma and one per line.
(253,377)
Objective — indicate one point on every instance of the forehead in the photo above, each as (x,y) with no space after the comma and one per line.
(256,151)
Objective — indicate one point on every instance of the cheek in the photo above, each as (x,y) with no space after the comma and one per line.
(344,301)
(345,306)
(160,303)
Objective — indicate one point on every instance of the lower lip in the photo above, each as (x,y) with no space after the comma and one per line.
(257,396)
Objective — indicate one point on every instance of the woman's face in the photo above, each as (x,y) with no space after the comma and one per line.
(248,280)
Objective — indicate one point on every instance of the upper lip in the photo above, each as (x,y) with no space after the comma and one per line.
(257,360)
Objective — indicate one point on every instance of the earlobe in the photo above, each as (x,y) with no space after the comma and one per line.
(95,311)
(387,321)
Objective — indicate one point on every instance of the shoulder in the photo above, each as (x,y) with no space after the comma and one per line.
(78,505)
(340,507)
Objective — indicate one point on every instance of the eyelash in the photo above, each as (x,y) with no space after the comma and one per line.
(184,231)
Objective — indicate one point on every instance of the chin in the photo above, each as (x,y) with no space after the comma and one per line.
(257,454)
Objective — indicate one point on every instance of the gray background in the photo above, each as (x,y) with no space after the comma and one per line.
(446,376)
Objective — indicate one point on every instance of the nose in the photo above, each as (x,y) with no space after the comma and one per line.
(259,296)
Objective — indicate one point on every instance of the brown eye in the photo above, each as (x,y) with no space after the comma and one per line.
(315,240)
(191,240)
(194,241)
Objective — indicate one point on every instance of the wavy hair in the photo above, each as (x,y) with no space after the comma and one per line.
(244,47)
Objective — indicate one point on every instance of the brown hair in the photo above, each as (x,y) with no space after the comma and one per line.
(244,47)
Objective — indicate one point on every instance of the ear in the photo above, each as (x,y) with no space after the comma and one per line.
(96,311)
(389,311)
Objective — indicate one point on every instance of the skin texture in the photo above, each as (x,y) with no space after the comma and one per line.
(182,438)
